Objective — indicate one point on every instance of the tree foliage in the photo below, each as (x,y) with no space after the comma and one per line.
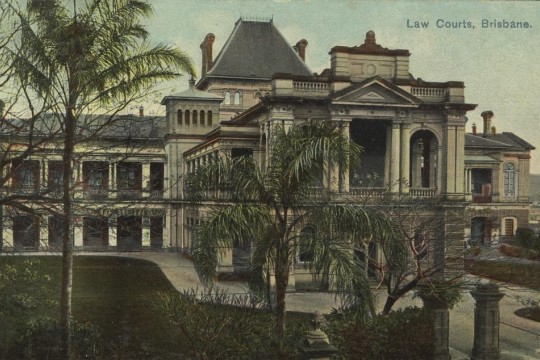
(268,208)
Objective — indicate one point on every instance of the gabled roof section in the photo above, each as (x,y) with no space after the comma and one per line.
(503,141)
(257,49)
(376,91)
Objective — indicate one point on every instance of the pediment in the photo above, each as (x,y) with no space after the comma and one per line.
(377,91)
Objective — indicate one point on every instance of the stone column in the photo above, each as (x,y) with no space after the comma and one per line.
(486,322)
(495,184)
(113,225)
(145,179)
(78,231)
(394,161)
(405,158)
(345,173)
(112,180)
(43,233)
(439,169)
(146,232)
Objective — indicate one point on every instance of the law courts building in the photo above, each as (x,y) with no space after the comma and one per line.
(412,132)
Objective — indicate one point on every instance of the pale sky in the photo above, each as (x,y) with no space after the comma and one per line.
(500,67)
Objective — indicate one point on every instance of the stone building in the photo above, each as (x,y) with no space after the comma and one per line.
(412,132)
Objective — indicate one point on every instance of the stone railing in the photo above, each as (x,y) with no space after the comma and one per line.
(430,94)
(423,192)
(368,192)
(311,88)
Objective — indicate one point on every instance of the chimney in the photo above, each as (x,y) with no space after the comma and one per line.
(474,128)
(192,83)
(206,48)
(141,111)
(300,48)
(494,130)
(487,115)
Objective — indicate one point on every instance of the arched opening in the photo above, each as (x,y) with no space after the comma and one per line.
(371,135)
(209,120)
(227,96)
(179,114)
(423,162)
(237,98)
(202,118)
(187,117)
(195,117)
(305,251)
(481,229)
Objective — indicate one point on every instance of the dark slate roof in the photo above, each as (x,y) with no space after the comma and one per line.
(192,94)
(504,140)
(257,50)
(123,127)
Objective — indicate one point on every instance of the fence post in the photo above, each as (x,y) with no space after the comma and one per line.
(315,344)
(486,322)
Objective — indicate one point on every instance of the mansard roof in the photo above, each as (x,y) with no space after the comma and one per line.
(257,49)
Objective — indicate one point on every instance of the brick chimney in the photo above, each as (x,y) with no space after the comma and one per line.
(487,116)
(141,111)
(206,48)
(474,128)
(300,48)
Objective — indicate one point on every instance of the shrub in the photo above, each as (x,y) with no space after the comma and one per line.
(41,340)
(509,250)
(387,337)
(526,238)
(222,326)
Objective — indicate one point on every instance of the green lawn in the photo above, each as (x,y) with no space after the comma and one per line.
(118,295)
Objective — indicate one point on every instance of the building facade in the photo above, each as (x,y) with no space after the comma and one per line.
(129,195)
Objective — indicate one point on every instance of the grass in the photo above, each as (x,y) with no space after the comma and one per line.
(118,295)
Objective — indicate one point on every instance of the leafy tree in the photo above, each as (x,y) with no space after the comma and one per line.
(268,207)
(75,60)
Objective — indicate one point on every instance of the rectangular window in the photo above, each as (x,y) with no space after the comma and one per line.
(25,232)
(25,175)
(56,230)
(96,178)
(95,232)
(55,177)
(156,232)
(129,179)
(129,232)
(157,171)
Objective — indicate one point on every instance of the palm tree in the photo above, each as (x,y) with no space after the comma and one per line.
(78,59)
(269,206)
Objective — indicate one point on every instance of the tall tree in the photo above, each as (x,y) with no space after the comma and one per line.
(268,208)
(77,57)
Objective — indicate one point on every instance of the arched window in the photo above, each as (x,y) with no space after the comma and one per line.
(305,249)
(179,117)
(237,98)
(209,121)
(201,118)
(420,245)
(509,179)
(187,117)
(195,117)
(227,96)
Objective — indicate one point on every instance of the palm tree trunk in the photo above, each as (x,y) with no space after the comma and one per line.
(67,243)
(282,280)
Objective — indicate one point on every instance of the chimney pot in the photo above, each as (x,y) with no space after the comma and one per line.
(300,47)
(206,47)
(494,130)
(487,116)
(474,128)
(141,111)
